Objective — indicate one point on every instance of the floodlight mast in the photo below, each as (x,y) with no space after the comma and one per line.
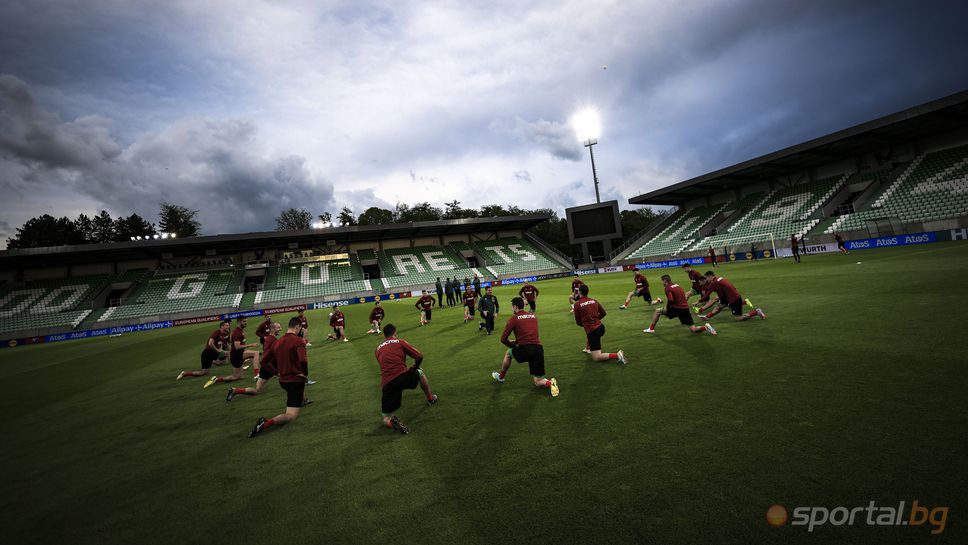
(588,144)
(587,126)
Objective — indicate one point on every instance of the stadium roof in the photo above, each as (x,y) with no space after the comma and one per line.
(932,118)
(229,244)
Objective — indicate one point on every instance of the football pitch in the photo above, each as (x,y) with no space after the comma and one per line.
(853,390)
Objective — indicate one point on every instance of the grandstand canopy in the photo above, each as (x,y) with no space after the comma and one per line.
(936,117)
(231,244)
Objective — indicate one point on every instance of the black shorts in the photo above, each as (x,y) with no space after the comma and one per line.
(644,294)
(736,307)
(262,341)
(531,305)
(470,308)
(427,314)
(235,357)
(694,291)
(337,333)
(302,332)
(393,391)
(294,393)
(208,357)
(533,354)
(265,373)
(685,317)
(595,338)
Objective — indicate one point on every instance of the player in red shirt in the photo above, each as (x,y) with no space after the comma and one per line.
(795,248)
(526,347)
(695,278)
(588,315)
(292,367)
(530,294)
(576,283)
(337,321)
(304,323)
(677,306)
(470,300)
(214,349)
(263,330)
(237,355)
(376,316)
(425,304)
(267,369)
(712,256)
(840,243)
(641,290)
(395,376)
(728,296)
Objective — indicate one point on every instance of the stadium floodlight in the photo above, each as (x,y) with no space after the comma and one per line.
(318,225)
(156,236)
(588,128)
(171,235)
(132,238)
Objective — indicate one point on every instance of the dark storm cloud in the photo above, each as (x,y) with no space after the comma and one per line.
(216,166)
(558,139)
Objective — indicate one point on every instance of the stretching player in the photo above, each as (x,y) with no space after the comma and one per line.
(589,314)
(526,347)
(338,322)
(695,277)
(304,323)
(237,355)
(641,290)
(214,349)
(292,366)
(530,294)
(728,296)
(470,299)
(712,256)
(576,283)
(840,243)
(395,376)
(795,248)
(676,307)
(425,305)
(263,330)
(376,316)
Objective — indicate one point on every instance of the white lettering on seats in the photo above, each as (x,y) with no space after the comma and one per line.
(28,295)
(784,209)
(499,250)
(438,262)
(194,288)
(525,255)
(403,261)
(307,281)
(44,305)
(675,235)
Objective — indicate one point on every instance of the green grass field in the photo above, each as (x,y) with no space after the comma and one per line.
(853,390)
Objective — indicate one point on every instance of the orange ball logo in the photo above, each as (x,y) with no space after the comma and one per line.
(776,515)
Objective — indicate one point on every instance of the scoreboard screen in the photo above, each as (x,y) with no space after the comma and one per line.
(594,222)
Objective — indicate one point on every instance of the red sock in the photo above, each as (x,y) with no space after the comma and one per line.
(502,373)
(269,423)
(239,390)
(613,356)
(752,313)
(547,384)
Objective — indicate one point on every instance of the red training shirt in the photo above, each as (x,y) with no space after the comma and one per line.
(524,325)
(469,298)
(337,319)
(529,292)
(675,297)
(392,354)
(589,314)
(289,358)
(725,290)
(376,314)
(640,282)
(426,302)
(218,339)
(239,336)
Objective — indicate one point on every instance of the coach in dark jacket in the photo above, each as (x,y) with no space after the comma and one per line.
(449,288)
(489,307)
(440,293)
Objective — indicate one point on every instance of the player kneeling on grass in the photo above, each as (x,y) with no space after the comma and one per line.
(395,376)
(576,284)
(677,306)
(425,305)
(213,351)
(376,316)
(338,322)
(728,297)
(237,355)
(641,290)
(267,368)
(470,300)
(291,365)
(588,315)
(526,347)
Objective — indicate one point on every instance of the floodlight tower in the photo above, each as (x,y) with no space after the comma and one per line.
(588,129)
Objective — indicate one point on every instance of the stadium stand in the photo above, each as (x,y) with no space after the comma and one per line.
(49,303)
(169,294)
(309,280)
(785,211)
(422,265)
(679,234)
(934,186)
(508,256)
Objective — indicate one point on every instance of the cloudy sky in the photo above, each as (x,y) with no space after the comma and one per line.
(242,109)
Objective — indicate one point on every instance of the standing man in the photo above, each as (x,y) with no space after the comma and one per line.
(292,367)
(588,315)
(458,291)
(677,307)
(489,309)
(376,317)
(395,376)
(303,327)
(530,294)
(477,286)
(840,243)
(526,347)
(425,305)
(469,302)
(214,350)
(753,252)
(237,355)
(338,322)
(728,296)
(576,283)
(795,248)
(449,288)
(440,293)
(712,256)
(263,330)
(641,290)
